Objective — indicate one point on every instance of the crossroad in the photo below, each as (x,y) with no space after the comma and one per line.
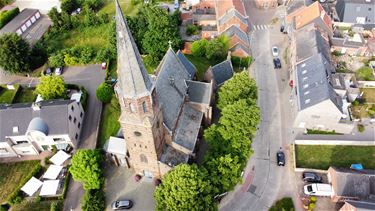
(260,27)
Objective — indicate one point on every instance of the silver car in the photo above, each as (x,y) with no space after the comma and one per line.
(275,51)
(122,204)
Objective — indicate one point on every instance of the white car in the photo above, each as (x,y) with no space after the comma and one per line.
(58,71)
(275,51)
(318,189)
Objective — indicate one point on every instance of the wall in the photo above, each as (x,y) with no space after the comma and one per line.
(334,142)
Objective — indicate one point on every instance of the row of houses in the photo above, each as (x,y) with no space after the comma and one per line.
(222,17)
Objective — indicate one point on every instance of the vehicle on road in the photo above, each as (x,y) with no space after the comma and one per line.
(277,63)
(48,71)
(280,158)
(122,204)
(58,70)
(275,51)
(317,189)
(311,177)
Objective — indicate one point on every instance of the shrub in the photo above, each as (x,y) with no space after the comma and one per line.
(68,6)
(198,48)
(7,16)
(337,53)
(361,128)
(56,60)
(56,206)
(241,62)
(84,97)
(104,92)
(192,29)
(93,200)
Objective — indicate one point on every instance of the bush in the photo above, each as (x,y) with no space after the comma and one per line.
(93,200)
(361,128)
(84,97)
(68,6)
(104,92)
(337,53)
(198,48)
(192,29)
(56,206)
(56,60)
(241,62)
(7,16)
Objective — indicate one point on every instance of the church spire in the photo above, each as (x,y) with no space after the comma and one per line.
(133,79)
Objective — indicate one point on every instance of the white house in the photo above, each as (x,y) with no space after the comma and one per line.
(28,129)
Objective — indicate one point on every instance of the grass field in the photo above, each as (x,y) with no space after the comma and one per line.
(109,124)
(284,204)
(363,110)
(25,95)
(11,174)
(365,73)
(323,156)
(126,6)
(7,96)
(33,206)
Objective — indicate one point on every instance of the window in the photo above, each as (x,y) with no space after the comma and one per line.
(75,120)
(58,139)
(144,106)
(22,142)
(76,136)
(79,125)
(70,118)
(136,133)
(81,114)
(132,109)
(72,108)
(143,158)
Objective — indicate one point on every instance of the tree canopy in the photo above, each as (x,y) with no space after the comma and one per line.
(93,200)
(238,87)
(14,53)
(51,87)
(104,92)
(185,188)
(86,168)
(214,49)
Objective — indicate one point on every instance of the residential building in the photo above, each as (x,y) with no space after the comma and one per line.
(349,184)
(345,85)
(313,13)
(353,46)
(266,4)
(360,12)
(161,117)
(28,129)
(351,205)
(30,24)
(220,73)
(315,102)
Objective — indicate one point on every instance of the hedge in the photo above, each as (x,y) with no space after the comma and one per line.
(7,16)
(84,97)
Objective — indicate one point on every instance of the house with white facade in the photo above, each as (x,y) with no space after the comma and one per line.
(31,128)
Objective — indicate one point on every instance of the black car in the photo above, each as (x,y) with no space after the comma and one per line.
(122,204)
(311,177)
(280,158)
(277,63)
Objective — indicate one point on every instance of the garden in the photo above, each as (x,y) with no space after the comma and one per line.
(365,106)
(284,204)
(324,156)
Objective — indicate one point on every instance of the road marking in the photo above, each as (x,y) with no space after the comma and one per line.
(260,27)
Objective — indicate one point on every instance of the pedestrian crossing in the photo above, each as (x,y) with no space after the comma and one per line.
(260,27)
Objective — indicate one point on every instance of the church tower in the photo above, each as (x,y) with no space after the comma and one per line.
(141,118)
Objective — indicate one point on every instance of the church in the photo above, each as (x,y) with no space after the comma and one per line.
(161,115)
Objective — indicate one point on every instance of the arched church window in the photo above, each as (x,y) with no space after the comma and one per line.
(144,106)
(143,158)
(132,108)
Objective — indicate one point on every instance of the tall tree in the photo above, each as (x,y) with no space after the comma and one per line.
(51,87)
(93,200)
(104,92)
(68,6)
(185,188)
(86,168)
(14,53)
(239,87)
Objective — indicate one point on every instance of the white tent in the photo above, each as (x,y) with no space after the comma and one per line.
(49,188)
(59,158)
(32,186)
(52,172)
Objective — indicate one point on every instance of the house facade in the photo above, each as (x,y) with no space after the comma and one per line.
(161,117)
(29,129)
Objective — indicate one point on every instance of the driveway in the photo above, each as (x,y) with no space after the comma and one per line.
(120,184)
(265,182)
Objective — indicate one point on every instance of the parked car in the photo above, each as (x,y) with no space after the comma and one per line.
(282,28)
(277,63)
(58,70)
(280,158)
(317,189)
(311,177)
(48,71)
(275,51)
(122,204)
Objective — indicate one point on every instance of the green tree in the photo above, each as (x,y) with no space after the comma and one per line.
(198,48)
(14,53)
(217,145)
(138,26)
(93,200)
(51,87)
(215,50)
(38,55)
(55,17)
(239,87)
(68,6)
(86,168)
(185,188)
(56,60)
(104,92)
(225,172)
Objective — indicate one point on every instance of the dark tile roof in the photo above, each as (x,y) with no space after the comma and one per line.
(18,21)
(235,30)
(349,10)
(232,13)
(199,92)
(362,205)
(345,42)
(188,65)
(222,72)
(54,114)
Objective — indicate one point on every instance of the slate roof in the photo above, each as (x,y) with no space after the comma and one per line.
(53,113)
(235,30)
(134,80)
(188,127)
(18,21)
(353,183)
(222,72)
(362,205)
(187,64)
(199,92)
(349,10)
(232,13)
(345,42)
(240,46)
(171,87)
(312,81)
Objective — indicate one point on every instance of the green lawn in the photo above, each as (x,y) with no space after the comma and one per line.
(365,73)
(25,95)
(109,124)
(323,156)
(6,95)
(31,205)
(11,174)
(126,6)
(284,204)
(201,64)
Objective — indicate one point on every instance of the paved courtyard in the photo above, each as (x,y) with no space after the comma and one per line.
(120,184)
